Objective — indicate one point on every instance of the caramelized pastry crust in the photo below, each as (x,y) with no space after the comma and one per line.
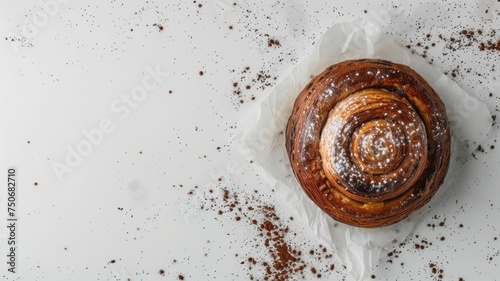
(369,141)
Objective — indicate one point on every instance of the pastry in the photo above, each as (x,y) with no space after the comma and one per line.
(369,141)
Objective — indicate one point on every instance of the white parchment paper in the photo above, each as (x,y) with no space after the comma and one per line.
(263,137)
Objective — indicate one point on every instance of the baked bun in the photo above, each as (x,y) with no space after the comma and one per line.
(369,141)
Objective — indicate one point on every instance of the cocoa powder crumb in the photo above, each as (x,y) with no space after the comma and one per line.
(159,26)
(273,42)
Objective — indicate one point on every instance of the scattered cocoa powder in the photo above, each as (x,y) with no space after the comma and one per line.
(259,81)
(273,42)
(490,257)
(160,27)
(283,260)
(436,271)
(484,41)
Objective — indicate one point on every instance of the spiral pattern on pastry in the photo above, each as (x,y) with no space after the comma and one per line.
(369,141)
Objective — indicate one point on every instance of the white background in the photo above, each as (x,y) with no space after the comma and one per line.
(67,67)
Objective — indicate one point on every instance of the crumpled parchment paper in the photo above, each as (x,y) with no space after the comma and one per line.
(263,136)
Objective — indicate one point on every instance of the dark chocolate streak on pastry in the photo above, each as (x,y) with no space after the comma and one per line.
(310,113)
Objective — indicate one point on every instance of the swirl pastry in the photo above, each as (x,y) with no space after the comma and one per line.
(369,141)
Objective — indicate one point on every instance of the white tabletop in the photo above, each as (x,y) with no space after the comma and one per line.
(120,117)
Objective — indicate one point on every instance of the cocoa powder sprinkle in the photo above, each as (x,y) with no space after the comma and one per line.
(283,260)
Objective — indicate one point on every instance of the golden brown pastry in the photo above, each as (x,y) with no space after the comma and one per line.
(369,141)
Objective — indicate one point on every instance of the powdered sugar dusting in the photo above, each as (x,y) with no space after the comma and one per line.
(372,143)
